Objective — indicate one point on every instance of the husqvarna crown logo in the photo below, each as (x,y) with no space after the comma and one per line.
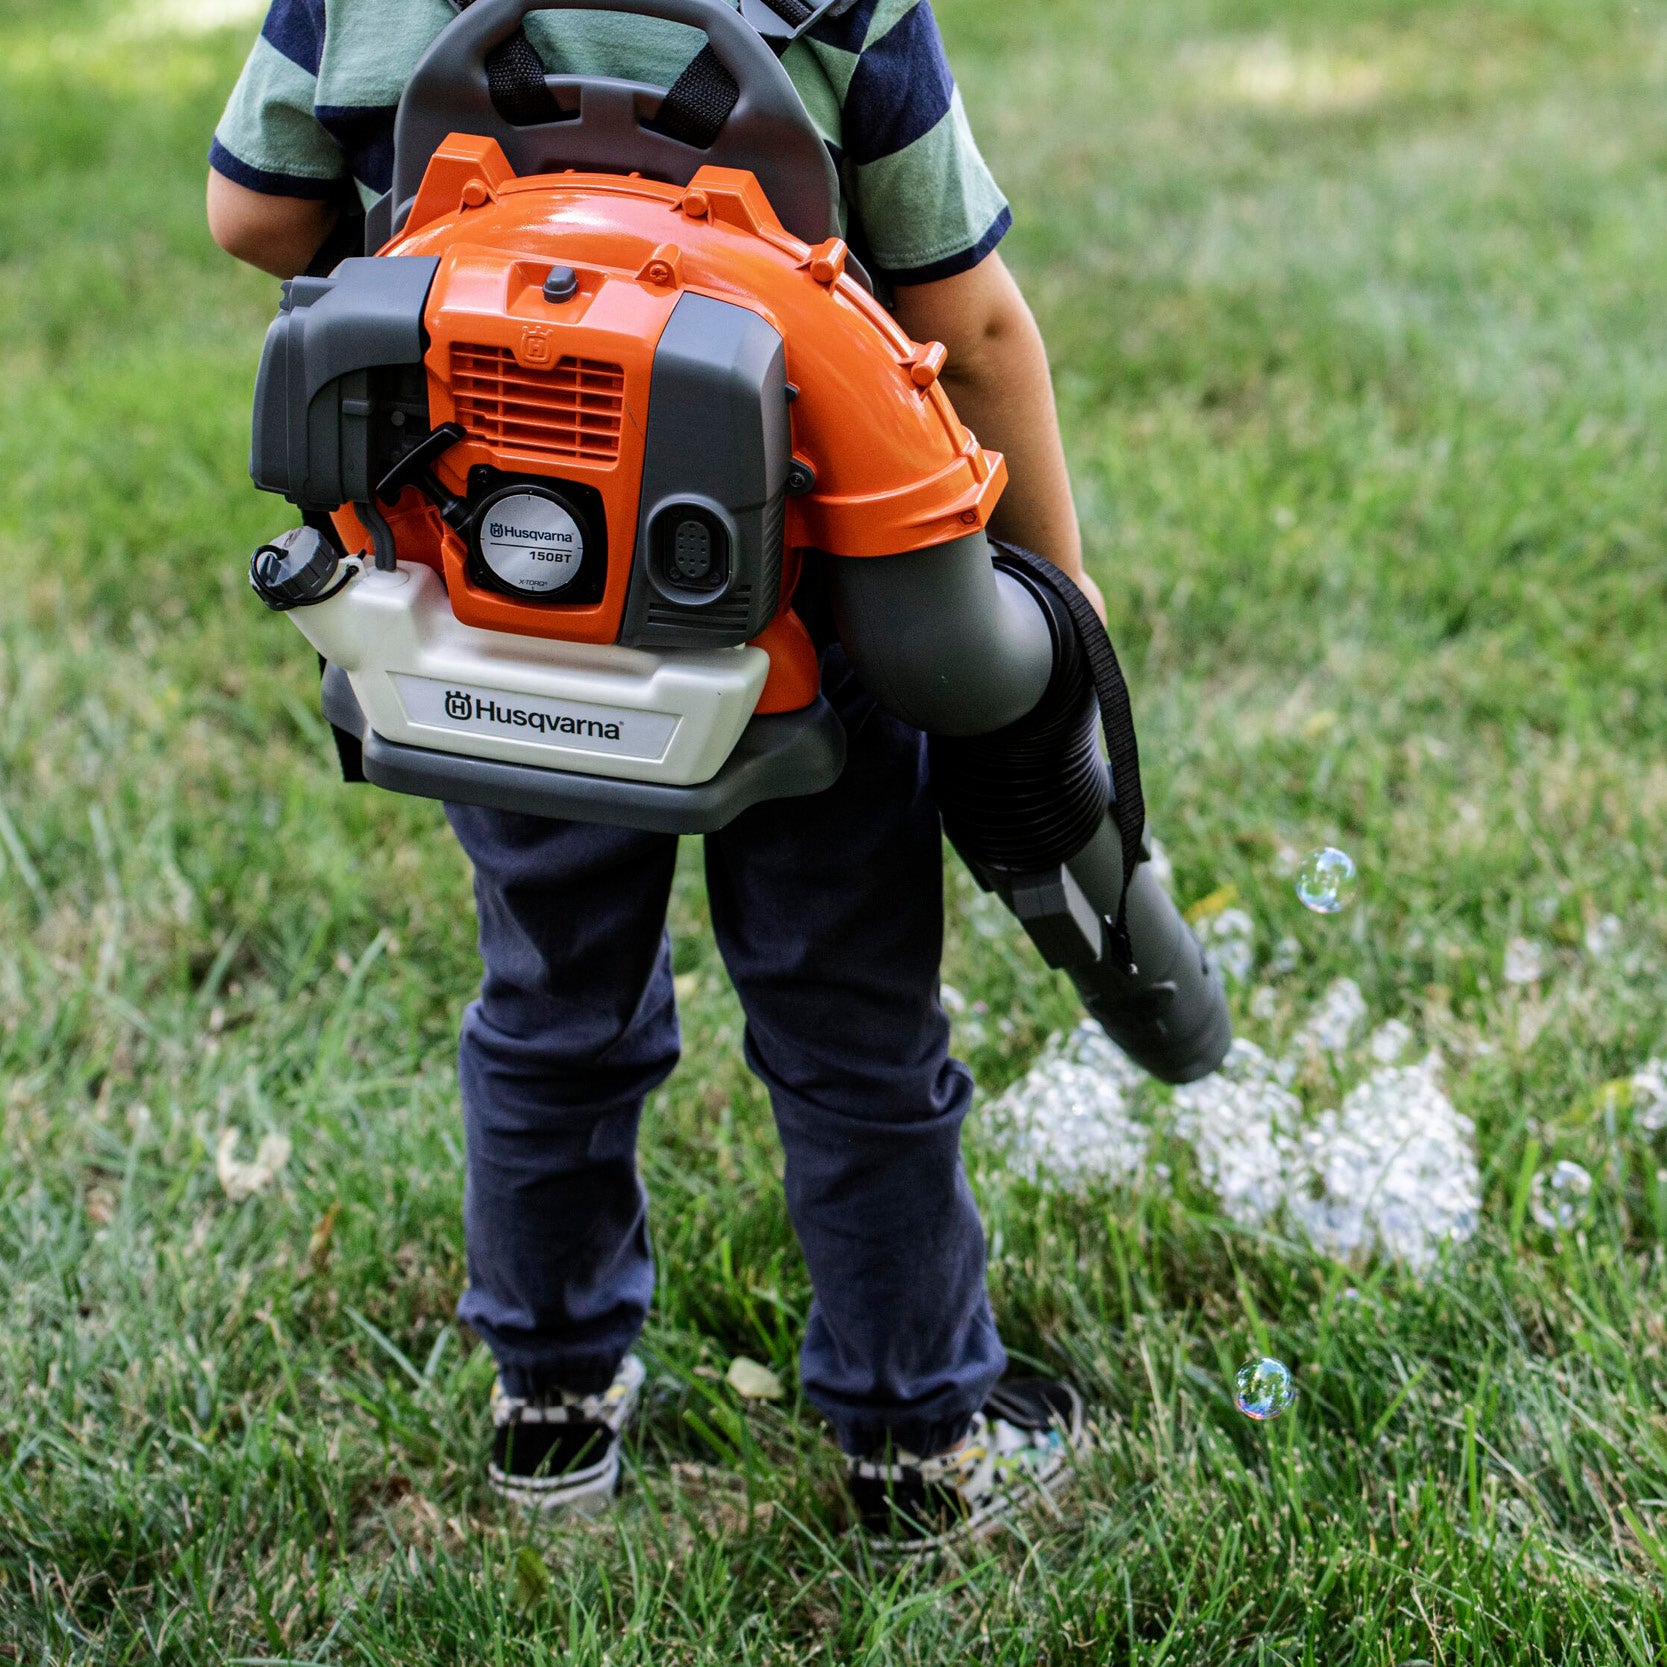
(538,345)
(459,705)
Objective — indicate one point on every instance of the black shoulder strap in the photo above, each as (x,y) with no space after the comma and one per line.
(696,105)
(698,102)
(1128,806)
(515,78)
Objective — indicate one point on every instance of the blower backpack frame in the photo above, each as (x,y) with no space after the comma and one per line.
(567,441)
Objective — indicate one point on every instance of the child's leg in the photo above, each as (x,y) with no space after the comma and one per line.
(574,1025)
(829,913)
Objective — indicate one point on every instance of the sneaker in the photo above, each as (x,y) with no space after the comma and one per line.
(1020,1445)
(560,1452)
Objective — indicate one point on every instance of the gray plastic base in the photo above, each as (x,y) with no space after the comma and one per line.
(786,756)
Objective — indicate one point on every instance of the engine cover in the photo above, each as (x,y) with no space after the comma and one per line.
(582,431)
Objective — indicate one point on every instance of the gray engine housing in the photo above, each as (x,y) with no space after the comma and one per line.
(341,359)
(718,453)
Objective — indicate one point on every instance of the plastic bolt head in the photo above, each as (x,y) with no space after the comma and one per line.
(927,365)
(664,266)
(827,261)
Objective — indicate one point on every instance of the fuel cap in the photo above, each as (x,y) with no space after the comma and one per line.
(295,568)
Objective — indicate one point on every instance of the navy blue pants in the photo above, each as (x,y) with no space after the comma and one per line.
(828,912)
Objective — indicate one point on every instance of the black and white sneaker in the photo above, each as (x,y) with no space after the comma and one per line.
(561,1452)
(1020,1446)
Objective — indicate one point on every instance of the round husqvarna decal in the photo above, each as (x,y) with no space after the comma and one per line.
(530,542)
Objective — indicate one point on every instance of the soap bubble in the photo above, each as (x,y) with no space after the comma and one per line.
(1329,1029)
(1264,1390)
(1390,1041)
(1231,937)
(1562,1197)
(1603,936)
(1325,882)
(1524,961)
(1649,1096)
(1072,1116)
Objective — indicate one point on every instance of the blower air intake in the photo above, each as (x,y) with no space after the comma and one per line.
(565,447)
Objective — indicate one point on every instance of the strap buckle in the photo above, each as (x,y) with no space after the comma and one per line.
(781,22)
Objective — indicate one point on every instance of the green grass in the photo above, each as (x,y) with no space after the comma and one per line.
(1359,313)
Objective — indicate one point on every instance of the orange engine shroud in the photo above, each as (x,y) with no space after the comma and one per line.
(544,390)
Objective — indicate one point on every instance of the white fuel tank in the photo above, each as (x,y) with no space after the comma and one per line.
(425,679)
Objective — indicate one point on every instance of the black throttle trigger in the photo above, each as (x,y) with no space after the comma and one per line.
(424,455)
(413,470)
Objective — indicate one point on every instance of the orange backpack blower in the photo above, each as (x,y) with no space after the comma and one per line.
(568,445)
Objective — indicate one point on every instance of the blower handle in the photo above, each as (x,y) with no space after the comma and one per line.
(768,132)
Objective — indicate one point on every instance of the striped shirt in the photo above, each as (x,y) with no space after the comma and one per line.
(313,112)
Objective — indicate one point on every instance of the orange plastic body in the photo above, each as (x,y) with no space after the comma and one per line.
(563,390)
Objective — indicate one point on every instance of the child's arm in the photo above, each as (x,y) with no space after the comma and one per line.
(280,235)
(997,376)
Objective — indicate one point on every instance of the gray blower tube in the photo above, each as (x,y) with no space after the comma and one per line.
(948,643)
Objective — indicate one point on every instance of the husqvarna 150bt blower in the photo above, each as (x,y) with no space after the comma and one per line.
(566,447)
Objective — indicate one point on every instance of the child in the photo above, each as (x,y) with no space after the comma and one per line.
(828,911)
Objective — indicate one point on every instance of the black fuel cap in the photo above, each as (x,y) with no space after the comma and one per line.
(294,568)
(561,285)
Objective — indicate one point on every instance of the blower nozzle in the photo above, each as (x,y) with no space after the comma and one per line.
(1045,822)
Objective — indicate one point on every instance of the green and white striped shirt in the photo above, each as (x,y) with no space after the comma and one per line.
(313,113)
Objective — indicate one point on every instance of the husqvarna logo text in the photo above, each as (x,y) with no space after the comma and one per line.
(532,724)
(467,708)
(528,535)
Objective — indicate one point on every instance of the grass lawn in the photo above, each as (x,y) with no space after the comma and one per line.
(1359,314)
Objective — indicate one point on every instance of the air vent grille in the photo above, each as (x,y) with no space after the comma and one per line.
(573,410)
(725,622)
(775,525)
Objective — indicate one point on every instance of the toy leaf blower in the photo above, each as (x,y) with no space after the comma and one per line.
(566,447)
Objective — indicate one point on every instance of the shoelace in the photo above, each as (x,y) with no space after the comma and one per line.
(972,1468)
